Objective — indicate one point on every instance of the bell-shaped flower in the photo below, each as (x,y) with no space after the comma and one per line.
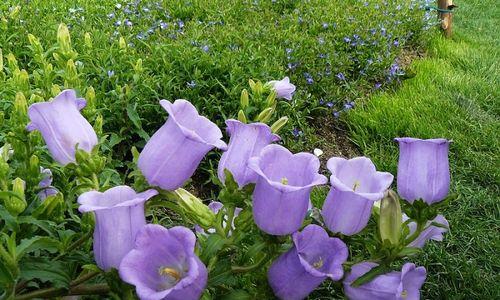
(163,265)
(284,89)
(431,232)
(356,185)
(284,184)
(313,258)
(174,152)
(423,169)
(247,140)
(391,286)
(46,185)
(119,215)
(62,126)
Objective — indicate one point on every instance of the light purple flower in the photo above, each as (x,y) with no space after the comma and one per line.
(163,265)
(281,195)
(313,258)
(174,152)
(423,169)
(284,89)
(391,286)
(62,126)
(119,214)
(45,184)
(356,185)
(430,233)
(247,140)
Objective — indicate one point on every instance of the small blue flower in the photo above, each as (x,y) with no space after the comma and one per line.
(296,132)
(321,40)
(329,104)
(288,50)
(321,101)
(309,80)
(205,48)
(163,25)
(377,85)
(336,114)
(111,73)
(347,39)
(111,15)
(128,23)
(325,25)
(180,23)
(340,76)
(118,23)
(191,84)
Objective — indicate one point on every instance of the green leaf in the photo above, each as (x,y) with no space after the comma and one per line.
(237,295)
(55,272)
(213,244)
(37,243)
(370,275)
(6,277)
(10,221)
(409,251)
(136,120)
(45,225)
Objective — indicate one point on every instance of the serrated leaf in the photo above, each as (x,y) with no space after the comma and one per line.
(45,225)
(55,272)
(37,243)
(212,245)
(5,275)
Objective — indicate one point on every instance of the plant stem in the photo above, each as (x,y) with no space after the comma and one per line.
(239,269)
(414,236)
(83,289)
(75,245)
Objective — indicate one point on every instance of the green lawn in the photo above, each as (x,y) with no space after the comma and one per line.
(455,95)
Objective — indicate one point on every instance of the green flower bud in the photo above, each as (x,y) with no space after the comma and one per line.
(122,43)
(279,124)
(194,208)
(87,40)
(265,115)
(64,38)
(17,204)
(241,116)
(36,98)
(390,218)
(244,99)
(35,44)
(1,60)
(34,166)
(271,99)
(51,208)
(21,105)
(15,12)
(21,80)
(12,62)
(251,83)
(55,90)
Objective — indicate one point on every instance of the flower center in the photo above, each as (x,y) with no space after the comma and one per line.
(284,180)
(356,185)
(318,264)
(170,273)
(404,294)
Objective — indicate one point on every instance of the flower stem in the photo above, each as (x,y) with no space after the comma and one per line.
(83,289)
(414,236)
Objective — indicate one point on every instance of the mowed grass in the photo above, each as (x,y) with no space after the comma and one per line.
(455,95)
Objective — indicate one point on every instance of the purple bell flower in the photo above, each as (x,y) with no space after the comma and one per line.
(423,169)
(45,185)
(313,258)
(62,126)
(174,152)
(247,140)
(391,286)
(284,89)
(163,265)
(281,195)
(430,233)
(356,185)
(119,214)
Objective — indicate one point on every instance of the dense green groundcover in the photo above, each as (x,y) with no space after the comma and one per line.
(455,95)
(127,55)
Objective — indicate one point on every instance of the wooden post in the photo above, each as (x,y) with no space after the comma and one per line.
(445,17)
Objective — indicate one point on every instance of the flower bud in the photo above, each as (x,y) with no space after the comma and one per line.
(138,66)
(244,99)
(87,40)
(265,115)
(241,116)
(90,97)
(21,79)
(12,62)
(15,12)
(17,204)
(36,98)
(198,212)
(279,124)
(390,218)
(55,90)
(35,43)
(122,43)
(34,166)
(271,99)
(21,105)
(64,38)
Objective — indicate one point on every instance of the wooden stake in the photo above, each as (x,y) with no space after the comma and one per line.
(446,17)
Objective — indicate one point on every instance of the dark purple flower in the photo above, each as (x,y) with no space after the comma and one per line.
(174,152)
(163,265)
(313,258)
(391,286)
(431,232)
(423,169)
(247,140)
(281,195)
(119,214)
(284,89)
(356,185)
(62,126)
